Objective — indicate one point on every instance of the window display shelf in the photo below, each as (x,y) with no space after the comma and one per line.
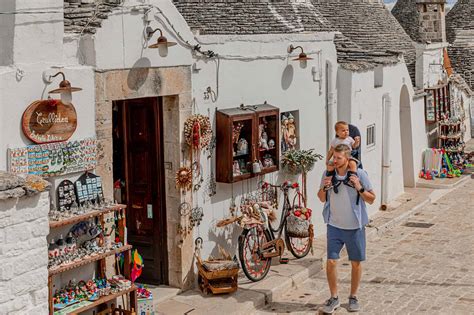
(74,310)
(89,260)
(86,216)
(253,129)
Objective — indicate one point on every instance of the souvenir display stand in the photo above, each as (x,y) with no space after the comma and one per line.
(100,258)
(247,138)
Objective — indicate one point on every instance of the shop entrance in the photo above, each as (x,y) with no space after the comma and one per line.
(139,181)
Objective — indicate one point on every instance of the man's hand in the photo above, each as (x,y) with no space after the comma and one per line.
(356,182)
(327,181)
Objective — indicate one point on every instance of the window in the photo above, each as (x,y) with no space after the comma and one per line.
(371,135)
(378,77)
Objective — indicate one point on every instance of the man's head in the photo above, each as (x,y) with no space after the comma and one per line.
(341,156)
(342,129)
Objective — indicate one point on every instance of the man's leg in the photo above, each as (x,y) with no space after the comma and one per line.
(331,273)
(356,250)
(355,277)
(334,246)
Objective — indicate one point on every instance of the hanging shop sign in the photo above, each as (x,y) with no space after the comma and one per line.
(49,120)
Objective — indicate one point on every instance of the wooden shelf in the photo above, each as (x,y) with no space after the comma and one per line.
(89,260)
(270,169)
(458,136)
(101,300)
(86,216)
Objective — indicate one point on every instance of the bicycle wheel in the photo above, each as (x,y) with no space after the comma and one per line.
(254,265)
(299,247)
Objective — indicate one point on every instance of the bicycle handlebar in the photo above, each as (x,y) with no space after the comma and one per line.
(284,185)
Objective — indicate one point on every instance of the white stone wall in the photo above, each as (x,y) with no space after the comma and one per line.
(429,64)
(24,226)
(360,103)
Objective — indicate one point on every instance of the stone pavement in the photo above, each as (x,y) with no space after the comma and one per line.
(410,270)
(285,290)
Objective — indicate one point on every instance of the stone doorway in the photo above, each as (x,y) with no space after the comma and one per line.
(173,85)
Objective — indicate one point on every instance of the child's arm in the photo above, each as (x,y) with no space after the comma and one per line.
(329,155)
(356,143)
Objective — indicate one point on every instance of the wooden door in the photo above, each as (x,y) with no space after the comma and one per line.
(144,185)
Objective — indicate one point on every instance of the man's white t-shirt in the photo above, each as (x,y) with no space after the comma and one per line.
(349,141)
(342,216)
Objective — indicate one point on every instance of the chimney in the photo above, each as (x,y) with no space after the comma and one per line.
(432,24)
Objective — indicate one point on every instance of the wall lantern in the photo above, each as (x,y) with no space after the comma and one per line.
(65,88)
(162,41)
(302,56)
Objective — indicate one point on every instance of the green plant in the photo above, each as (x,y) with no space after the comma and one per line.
(297,162)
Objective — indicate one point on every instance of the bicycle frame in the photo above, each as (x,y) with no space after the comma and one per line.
(277,242)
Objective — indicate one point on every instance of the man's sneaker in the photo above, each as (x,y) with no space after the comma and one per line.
(331,305)
(353,304)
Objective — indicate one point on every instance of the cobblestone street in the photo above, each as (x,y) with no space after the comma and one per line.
(409,270)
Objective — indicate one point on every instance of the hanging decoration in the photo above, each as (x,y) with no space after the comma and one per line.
(198,135)
(137,265)
(196,216)
(185,227)
(184,178)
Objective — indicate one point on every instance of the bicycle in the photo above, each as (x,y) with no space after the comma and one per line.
(258,243)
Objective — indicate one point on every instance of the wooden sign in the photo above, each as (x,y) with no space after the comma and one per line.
(49,121)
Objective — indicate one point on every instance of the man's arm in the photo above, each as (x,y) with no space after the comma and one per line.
(321,192)
(322,195)
(368,195)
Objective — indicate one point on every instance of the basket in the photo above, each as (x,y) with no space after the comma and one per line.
(297,226)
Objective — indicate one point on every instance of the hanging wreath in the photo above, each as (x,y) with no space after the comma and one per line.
(198,131)
(184,178)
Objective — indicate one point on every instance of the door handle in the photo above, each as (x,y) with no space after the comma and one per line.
(134,206)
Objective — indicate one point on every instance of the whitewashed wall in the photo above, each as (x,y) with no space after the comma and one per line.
(23,255)
(360,103)
(429,64)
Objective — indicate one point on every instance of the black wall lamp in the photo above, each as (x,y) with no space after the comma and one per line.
(302,56)
(161,42)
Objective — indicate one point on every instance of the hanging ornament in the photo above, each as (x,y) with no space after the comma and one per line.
(198,131)
(184,178)
(198,135)
(196,216)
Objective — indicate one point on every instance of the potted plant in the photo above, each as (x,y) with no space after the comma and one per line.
(297,162)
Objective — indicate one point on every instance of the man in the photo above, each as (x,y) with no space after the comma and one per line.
(345,214)
(354,133)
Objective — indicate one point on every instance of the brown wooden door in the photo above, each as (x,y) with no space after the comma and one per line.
(144,185)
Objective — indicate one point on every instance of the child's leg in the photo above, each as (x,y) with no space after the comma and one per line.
(353,163)
(353,166)
(330,169)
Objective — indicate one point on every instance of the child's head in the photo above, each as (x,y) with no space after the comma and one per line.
(342,129)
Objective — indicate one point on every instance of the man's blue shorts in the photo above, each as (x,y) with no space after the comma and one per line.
(353,239)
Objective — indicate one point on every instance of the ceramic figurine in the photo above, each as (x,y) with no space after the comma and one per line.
(271,144)
(61,245)
(53,250)
(256,167)
(267,161)
(284,134)
(292,139)
(236,169)
(242,146)
(70,243)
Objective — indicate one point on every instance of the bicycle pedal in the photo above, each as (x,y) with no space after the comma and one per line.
(284,260)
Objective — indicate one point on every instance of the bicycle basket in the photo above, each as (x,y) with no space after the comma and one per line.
(299,219)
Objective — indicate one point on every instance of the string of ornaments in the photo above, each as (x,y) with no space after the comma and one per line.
(198,136)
